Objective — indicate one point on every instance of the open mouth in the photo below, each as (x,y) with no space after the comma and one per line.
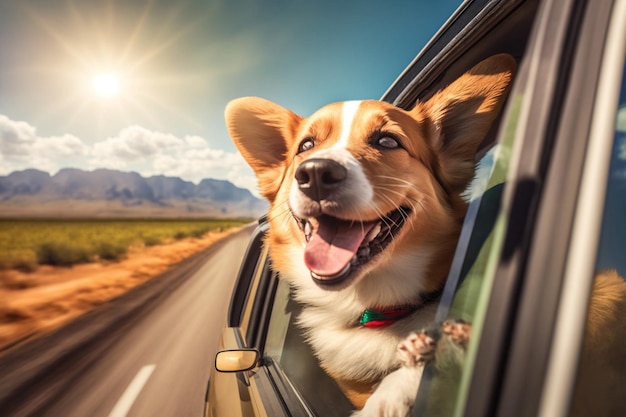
(337,249)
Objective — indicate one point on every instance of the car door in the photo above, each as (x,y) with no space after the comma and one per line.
(237,392)
(285,379)
(535,237)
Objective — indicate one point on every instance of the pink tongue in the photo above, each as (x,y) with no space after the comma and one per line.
(333,245)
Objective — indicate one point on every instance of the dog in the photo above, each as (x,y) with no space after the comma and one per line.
(365,210)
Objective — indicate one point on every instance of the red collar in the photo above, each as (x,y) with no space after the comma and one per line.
(385,316)
(374,318)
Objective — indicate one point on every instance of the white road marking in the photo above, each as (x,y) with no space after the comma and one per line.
(127,399)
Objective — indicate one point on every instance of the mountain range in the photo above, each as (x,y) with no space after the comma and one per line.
(110,193)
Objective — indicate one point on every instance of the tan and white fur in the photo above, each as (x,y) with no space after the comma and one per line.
(365,212)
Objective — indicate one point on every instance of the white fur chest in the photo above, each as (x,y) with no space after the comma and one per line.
(356,352)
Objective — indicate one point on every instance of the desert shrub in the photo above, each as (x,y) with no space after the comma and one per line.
(65,242)
(181,235)
(60,253)
(151,240)
(112,251)
(24,260)
(199,232)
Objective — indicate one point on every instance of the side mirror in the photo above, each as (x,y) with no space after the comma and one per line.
(236,360)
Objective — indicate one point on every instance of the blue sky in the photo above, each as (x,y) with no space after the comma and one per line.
(176,65)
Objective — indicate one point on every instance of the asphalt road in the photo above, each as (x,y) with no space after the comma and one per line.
(153,364)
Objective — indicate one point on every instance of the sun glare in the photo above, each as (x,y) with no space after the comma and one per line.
(106,85)
(114,72)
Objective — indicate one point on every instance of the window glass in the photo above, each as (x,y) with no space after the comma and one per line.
(251,289)
(286,347)
(281,321)
(613,237)
(467,290)
(601,380)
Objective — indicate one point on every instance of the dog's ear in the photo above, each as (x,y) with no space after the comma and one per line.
(263,132)
(462,113)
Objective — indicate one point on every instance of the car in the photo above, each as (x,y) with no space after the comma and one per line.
(546,213)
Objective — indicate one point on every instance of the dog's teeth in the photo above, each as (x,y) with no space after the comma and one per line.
(373,233)
(364,252)
(307,231)
(344,271)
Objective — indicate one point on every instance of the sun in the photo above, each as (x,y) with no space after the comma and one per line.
(106,85)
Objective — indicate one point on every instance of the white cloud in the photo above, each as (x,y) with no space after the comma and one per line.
(134,148)
(15,137)
(61,146)
(136,142)
(20,140)
(196,142)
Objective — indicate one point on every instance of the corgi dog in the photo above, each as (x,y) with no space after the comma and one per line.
(365,210)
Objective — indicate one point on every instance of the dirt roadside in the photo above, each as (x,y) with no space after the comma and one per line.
(40,301)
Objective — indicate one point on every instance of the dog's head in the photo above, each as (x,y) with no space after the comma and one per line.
(360,182)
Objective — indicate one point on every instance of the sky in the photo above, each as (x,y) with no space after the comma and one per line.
(142,85)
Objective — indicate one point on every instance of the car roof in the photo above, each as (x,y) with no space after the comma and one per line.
(468,23)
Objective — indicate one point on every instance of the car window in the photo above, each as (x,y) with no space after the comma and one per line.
(468,286)
(602,372)
(285,344)
(286,348)
(251,267)
(251,288)
(601,378)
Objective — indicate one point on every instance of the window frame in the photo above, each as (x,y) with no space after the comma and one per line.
(249,269)
(546,160)
(550,145)
(582,254)
(552,141)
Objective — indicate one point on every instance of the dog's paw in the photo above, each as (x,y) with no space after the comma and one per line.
(444,344)
(418,348)
(394,396)
(458,330)
(421,347)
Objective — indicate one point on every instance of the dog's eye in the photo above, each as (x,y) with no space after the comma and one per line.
(305,145)
(387,142)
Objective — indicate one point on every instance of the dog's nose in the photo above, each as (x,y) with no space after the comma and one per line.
(318,177)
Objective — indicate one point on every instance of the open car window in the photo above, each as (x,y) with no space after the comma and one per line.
(479,244)
(602,369)
(467,290)
(286,348)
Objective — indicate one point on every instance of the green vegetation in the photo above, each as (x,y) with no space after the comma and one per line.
(25,244)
